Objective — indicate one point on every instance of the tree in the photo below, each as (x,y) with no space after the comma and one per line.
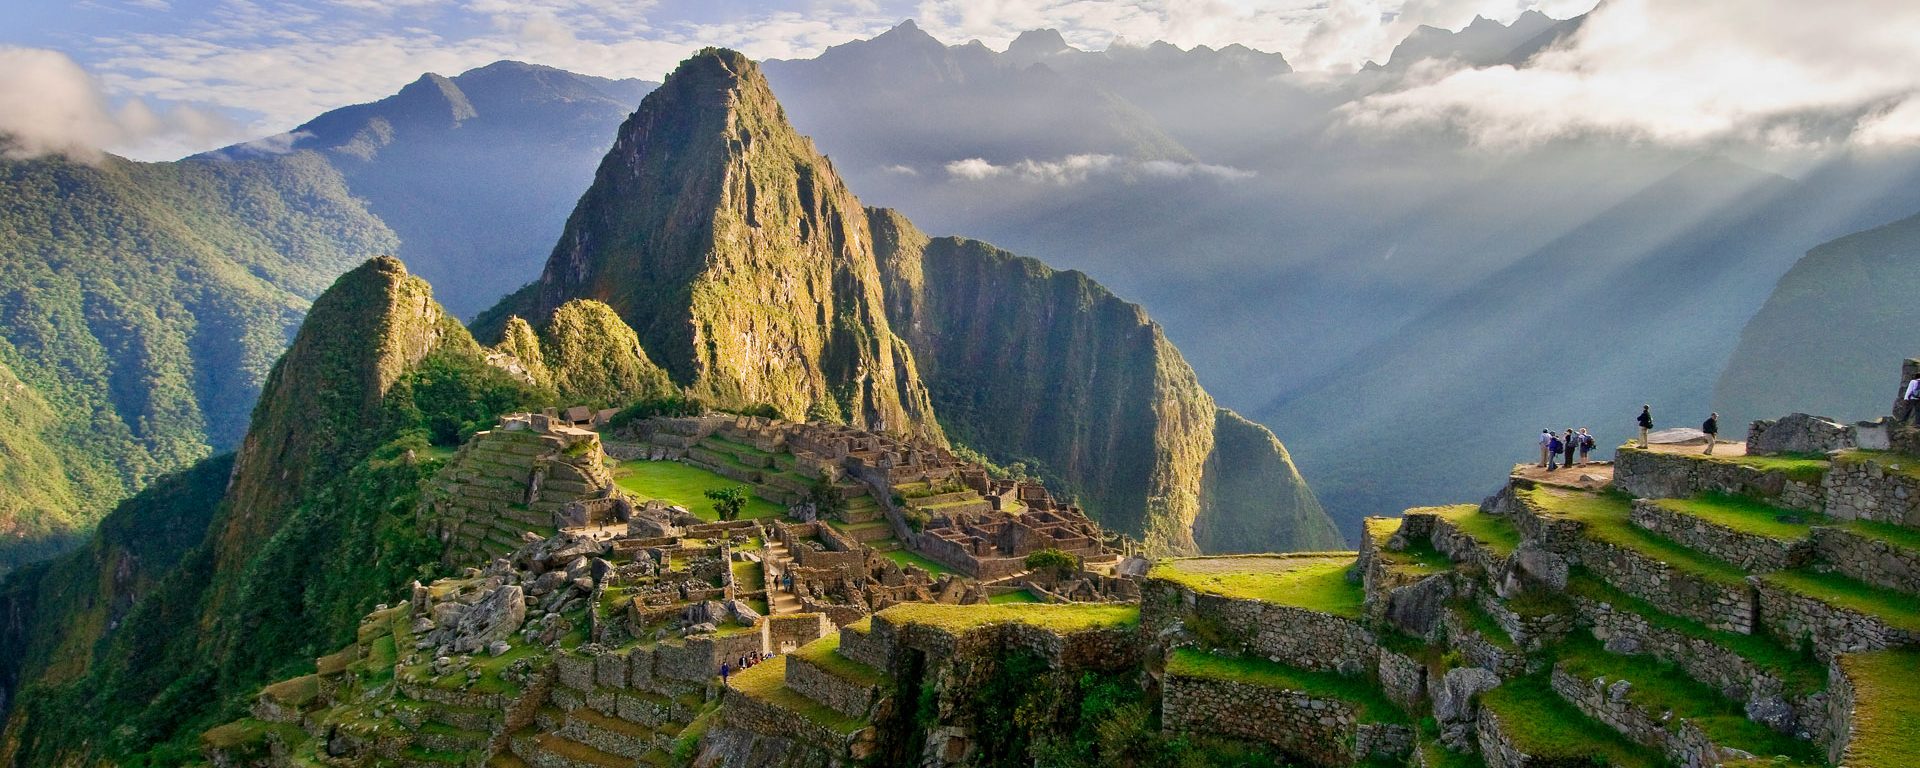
(825,498)
(728,501)
(1054,561)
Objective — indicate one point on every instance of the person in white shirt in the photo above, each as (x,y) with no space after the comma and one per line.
(1912,398)
(1546,439)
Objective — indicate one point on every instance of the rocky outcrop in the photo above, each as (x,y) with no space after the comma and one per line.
(733,249)
(596,360)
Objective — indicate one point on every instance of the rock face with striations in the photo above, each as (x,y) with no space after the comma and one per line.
(753,276)
(732,248)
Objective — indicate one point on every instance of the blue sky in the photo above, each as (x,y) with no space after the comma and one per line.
(205,72)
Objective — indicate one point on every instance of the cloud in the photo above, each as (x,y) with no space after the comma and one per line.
(50,105)
(1074,169)
(900,170)
(1710,72)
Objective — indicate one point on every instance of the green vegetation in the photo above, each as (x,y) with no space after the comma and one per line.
(1064,618)
(1477,619)
(1496,532)
(1894,463)
(1658,688)
(686,486)
(727,501)
(1885,708)
(1370,704)
(1052,561)
(1897,609)
(1746,515)
(1897,535)
(904,558)
(1312,582)
(1796,668)
(767,681)
(825,653)
(1606,516)
(1545,726)
(1016,596)
(596,360)
(1803,469)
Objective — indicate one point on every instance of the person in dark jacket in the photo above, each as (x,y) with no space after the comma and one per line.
(1646,423)
(1554,447)
(1712,427)
(1570,446)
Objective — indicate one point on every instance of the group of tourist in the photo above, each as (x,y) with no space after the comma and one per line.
(744,662)
(1565,449)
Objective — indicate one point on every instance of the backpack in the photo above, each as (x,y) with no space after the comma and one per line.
(1556,446)
(1586,442)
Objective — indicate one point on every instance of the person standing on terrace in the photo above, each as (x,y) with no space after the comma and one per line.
(1646,423)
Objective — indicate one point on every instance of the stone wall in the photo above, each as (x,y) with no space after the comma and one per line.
(1403,678)
(837,693)
(1792,619)
(1653,475)
(1766,696)
(1317,731)
(1798,433)
(1869,559)
(1294,636)
(1610,703)
(1872,486)
(1840,697)
(1478,650)
(1728,607)
(1753,553)
(1459,547)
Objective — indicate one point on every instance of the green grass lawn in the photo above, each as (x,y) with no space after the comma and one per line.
(1658,688)
(1805,469)
(1419,558)
(1607,518)
(1745,515)
(1315,583)
(1494,531)
(825,653)
(905,558)
(1897,609)
(749,576)
(1016,596)
(767,681)
(1899,464)
(1545,726)
(1370,703)
(1885,708)
(1063,618)
(1477,619)
(1799,671)
(1897,535)
(686,486)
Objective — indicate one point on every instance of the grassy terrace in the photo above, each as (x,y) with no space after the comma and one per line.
(1313,581)
(686,486)
(825,654)
(905,558)
(1063,619)
(1799,671)
(1897,535)
(1016,596)
(1494,531)
(1477,619)
(1885,708)
(1545,726)
(767,682)
(1746,515)
(1606,518)
(1658,688)
(1897,609)
(1370,703)
(1419,558)
(1896,463)
(749,576)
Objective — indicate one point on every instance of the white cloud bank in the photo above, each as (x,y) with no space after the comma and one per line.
(50,105)
(1779,74)
(1074,169)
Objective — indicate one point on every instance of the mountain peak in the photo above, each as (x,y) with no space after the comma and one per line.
(434,97)
(906,33)
(1039,42)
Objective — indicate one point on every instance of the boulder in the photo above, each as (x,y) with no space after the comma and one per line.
(496,617)
(743,613)
(1454,705)
(1798,433)
(1415,607)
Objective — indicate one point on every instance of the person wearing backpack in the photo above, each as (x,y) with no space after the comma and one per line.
(1586,444)
(1646,423)
(1712,427)
(1554,447)
(1572,446)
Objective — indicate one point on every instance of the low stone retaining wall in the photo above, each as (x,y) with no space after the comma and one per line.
(1608,702)
(1794,618)
(1764,693)
(1840,698)
(1652,475)
(1720,606)
(1539,529)
(1869,559)
(1317,731)
(1753,553)
(1860,487)
(1479,650)
(1403,678)
(1459,547)
(1294,636)
(837,693)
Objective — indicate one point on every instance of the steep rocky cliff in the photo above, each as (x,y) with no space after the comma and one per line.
(736,253)
(1026,363)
